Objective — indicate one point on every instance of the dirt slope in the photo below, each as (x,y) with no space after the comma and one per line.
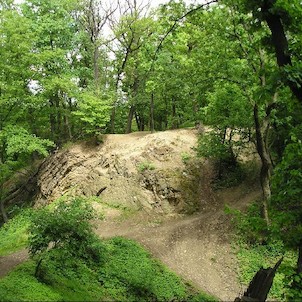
(196,246)
(138,170)
(145,184)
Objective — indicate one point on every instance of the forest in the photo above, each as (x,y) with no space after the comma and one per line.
(71,70)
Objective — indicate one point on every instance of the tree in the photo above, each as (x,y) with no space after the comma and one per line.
(282,18)
(17,143)
(131,32)
(263,90)
(93,17)
(16,147)
(229,114)
(16,43)
(64,231)
(54,79)
(94,110)
(286,203)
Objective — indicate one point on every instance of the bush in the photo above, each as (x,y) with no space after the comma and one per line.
(128,274)
(143,166)
(250,226)
(256,248)
(66,228)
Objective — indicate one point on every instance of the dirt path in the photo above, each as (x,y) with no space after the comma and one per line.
(196,247)
(7,263)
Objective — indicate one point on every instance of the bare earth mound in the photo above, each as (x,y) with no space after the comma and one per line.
(146,184)
(138,170)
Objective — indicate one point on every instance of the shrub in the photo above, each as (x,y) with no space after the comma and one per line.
(185,157)
(143,166)
(66,228)
(250,226)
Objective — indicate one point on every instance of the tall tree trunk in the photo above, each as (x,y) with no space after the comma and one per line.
(223,138)
(112,119)
(59,139)
(52,119)
(130,118)
(140,122)
(152,113)
(266,164)
(174,121)
(2,207)
(279,40)
(67,130)
(95,66)
(3,211)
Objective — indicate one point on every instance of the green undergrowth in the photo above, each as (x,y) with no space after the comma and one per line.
(252,257)
(13,234)
(128,273)
(256,248)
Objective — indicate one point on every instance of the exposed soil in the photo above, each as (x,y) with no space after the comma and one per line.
(149,205)
(197,246)
(7,263)
(137,170)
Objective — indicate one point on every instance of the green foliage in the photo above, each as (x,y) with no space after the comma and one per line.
(211,145)
(67,228)
(94,111)
(286,206)
(223,152)
(16,147)
(257,246)
(228,107)
(294,288)
(74,282)
(128,274)
(250,226)
(185,157)
(19,142)
(21,285)
(145,166)
(13,234)
(253,257)
(286,199)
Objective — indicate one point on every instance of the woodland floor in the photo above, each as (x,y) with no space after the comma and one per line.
(197,247)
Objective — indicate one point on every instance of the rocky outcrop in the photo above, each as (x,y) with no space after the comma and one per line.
(139,170)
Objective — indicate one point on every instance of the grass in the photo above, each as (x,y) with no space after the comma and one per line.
(13,234)
(128,273)
(255,248)
(252,257)
(185,157)
(145,165)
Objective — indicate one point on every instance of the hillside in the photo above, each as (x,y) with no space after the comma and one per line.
(151,188)
(138,170)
